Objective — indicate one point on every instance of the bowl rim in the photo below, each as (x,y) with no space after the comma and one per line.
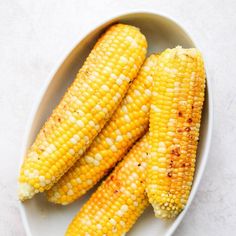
(61,60)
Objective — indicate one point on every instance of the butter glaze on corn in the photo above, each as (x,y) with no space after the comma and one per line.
(128,123)
(175,115)
(89,102)
(119,201)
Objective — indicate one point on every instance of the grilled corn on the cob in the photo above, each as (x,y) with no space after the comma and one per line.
(119,201)
(89,102)
(176,106)
(127,124)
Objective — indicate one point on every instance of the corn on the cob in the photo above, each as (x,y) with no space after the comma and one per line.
(89,102)
(128,123)
(119,201)
(176,106)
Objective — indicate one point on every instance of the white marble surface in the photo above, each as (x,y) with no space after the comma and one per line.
(33,35)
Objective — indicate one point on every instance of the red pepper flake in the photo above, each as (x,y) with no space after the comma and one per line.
(187,129)
(180,114)
(190,120)
(169,174)
(190,137)
(176,151)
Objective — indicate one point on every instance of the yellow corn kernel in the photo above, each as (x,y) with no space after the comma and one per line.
(119,201)
(106,73)
(128,123)
(175,115)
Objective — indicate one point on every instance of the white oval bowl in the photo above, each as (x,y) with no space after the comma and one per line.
(43,218)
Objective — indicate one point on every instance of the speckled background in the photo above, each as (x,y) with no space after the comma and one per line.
(33,36)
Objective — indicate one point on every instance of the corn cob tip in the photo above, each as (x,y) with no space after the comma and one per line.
(25,191)
(180,52)
(162,211)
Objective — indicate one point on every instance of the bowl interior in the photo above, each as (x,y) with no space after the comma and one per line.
(43,218)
